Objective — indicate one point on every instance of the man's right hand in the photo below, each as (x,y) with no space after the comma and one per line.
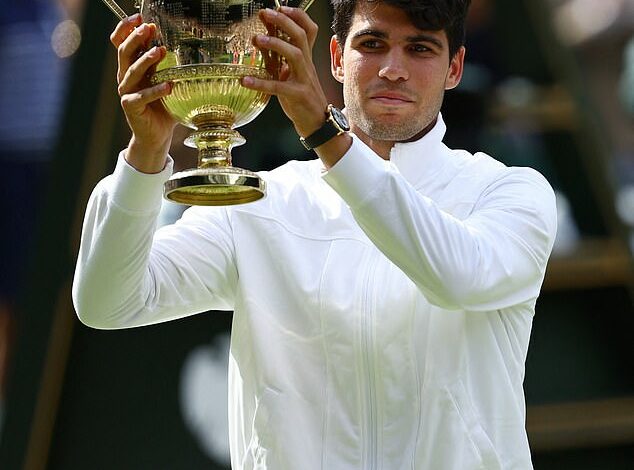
(151,125)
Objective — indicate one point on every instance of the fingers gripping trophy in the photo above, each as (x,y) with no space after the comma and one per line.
(208,50)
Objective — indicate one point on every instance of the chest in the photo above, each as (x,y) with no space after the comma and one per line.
(304,256)
(324,278)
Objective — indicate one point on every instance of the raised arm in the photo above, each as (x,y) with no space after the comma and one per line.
(494,258)
(126,275)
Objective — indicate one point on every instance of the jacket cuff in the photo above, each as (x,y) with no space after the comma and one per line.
(136,191)
(358,174)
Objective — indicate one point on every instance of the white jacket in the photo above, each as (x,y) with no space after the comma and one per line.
(382,310)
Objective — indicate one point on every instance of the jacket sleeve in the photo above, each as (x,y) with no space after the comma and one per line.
(129,275)
(495,258)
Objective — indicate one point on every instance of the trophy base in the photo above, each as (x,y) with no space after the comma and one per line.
(218,186)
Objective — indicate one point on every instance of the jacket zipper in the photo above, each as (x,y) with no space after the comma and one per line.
(369,369)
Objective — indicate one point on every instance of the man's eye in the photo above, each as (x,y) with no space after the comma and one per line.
(419,48)
(371,44)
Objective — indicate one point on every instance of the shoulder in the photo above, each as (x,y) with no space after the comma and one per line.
(490,184)
(525,178)
(514,190)
(484,170)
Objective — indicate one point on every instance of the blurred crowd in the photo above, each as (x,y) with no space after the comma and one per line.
(37,42)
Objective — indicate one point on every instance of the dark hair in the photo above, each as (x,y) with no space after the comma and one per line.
(431,15)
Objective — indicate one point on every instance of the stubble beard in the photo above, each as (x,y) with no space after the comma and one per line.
(386,129)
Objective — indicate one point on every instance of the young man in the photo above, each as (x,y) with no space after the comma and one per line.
(383,294)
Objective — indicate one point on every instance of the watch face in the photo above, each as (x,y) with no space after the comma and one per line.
(339,118)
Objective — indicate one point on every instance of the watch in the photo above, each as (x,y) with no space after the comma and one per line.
(336,124)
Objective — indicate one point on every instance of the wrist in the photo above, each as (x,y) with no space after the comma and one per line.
(310,128)
(333,124)
(313,120)
(147,158)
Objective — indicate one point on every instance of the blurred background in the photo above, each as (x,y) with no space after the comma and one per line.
(548,84)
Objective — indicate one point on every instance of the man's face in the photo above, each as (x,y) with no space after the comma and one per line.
(394,75)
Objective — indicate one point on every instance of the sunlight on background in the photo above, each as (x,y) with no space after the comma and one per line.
(580,20)
(66,38)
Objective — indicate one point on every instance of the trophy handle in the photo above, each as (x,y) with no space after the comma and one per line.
(120,12)
(116,9)
(305,5)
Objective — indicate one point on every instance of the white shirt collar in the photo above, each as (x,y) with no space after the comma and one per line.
(422,159)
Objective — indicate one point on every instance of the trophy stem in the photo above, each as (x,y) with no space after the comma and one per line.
(214,182)
(214,145)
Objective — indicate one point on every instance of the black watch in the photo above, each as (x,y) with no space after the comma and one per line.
(336,124)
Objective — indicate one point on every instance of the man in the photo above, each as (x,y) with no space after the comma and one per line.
(383,294)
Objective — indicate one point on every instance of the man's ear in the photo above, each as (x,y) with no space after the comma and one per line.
(456,67)
(336,59)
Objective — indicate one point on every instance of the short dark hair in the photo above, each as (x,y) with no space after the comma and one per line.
(431,15)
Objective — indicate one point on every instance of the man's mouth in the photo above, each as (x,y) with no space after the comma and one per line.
(391,98)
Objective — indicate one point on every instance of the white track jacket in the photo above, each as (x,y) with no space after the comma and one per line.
(382,309)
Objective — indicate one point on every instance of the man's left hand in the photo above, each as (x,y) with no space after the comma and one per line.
(297,88)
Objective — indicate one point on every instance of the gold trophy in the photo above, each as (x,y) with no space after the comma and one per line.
(209,49)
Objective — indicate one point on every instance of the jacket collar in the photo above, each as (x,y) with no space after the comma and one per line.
(421,160)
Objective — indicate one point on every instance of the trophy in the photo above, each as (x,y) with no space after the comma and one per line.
(209,49)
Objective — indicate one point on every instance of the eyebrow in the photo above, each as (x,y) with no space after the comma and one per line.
(382,35)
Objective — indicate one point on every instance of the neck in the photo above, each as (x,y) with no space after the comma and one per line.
(384,147)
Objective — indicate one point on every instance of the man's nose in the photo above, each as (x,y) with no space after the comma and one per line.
(393,68)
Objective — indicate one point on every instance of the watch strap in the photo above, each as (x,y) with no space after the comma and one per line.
(327,131)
